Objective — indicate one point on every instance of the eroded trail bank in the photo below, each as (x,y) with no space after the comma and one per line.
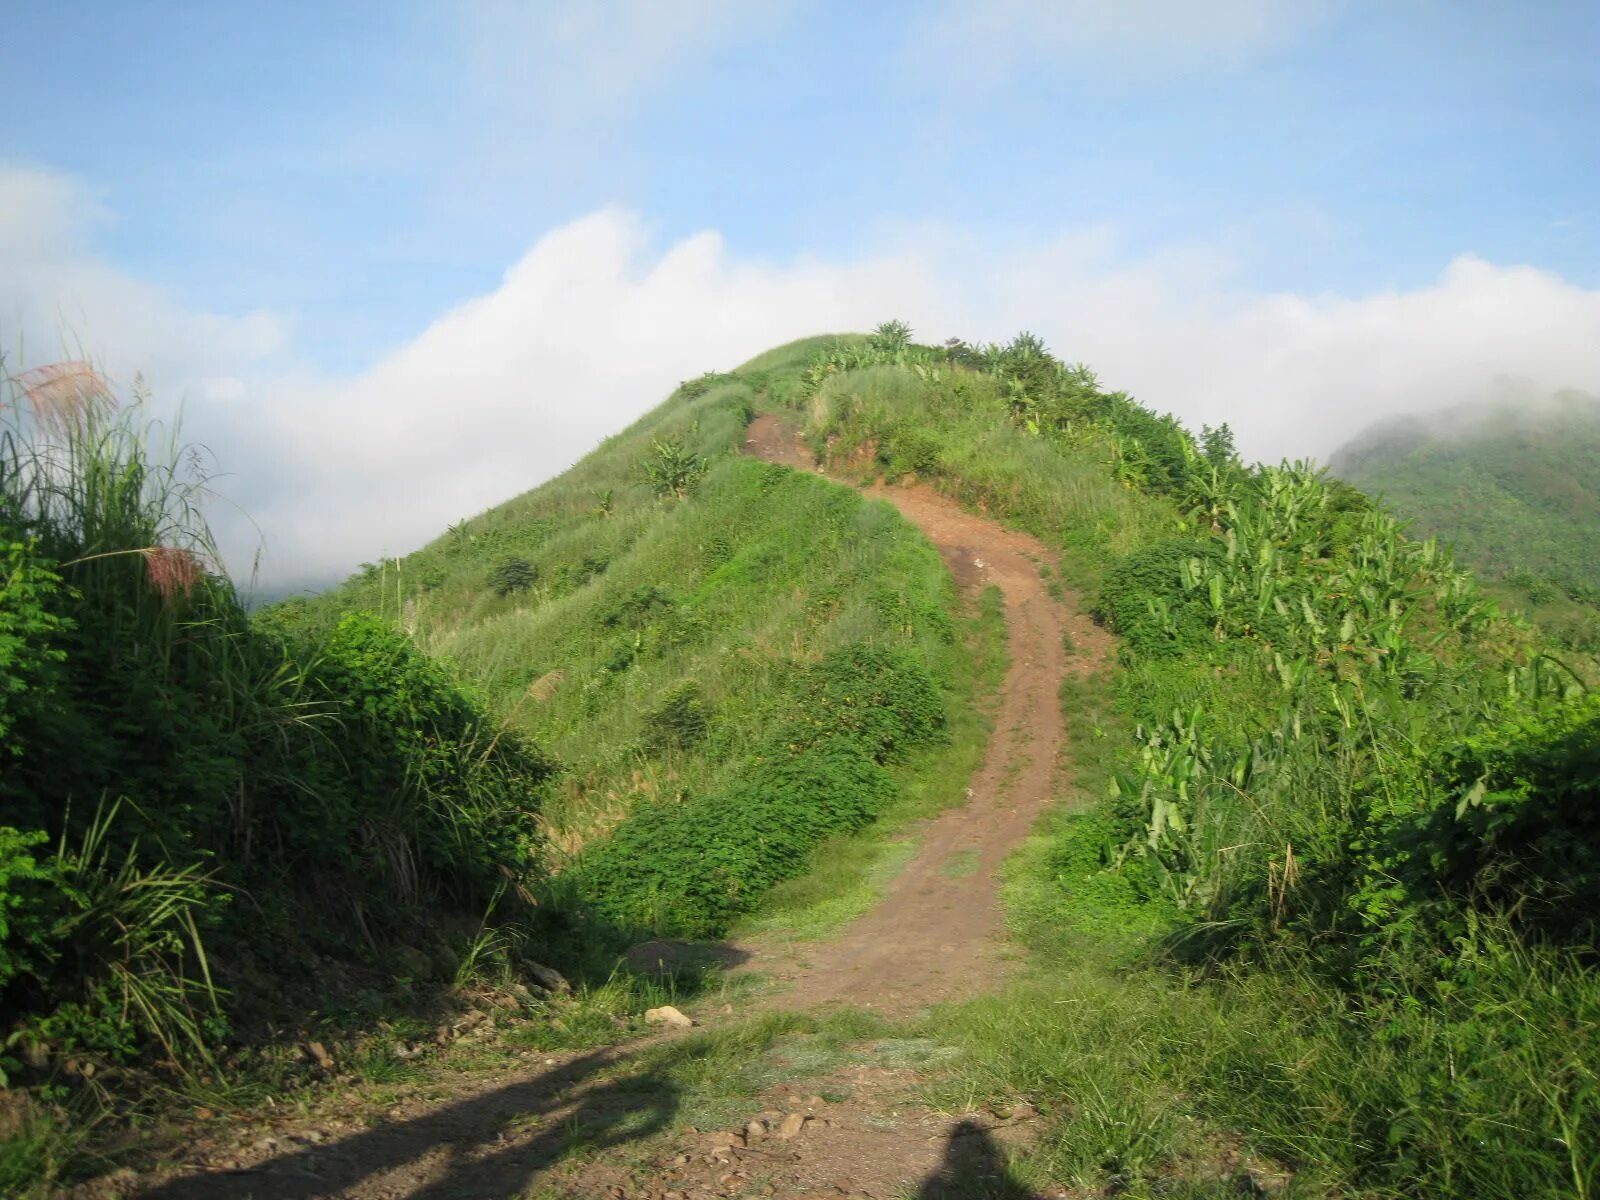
(939,932)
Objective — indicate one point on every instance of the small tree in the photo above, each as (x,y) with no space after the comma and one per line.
(672,468)
(891,337)
(513,575)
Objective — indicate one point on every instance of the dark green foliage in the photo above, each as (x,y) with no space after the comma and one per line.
(1144,599)
(879,699)
(679,721)
(30,631)
(1516,823)
(512,575)
(423,798)
(284,787)
(686,868)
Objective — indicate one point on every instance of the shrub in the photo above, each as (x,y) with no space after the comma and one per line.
(679,721)
(1144,600)
(882,700)
(1515,823)
(512,575)
(30,629)
(688,868)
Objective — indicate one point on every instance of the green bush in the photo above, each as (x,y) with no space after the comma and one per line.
(879,699)
(1144,600)
(688,868)
(31,627)
(679,721)
(512,575)
(326,776)
(1515,824)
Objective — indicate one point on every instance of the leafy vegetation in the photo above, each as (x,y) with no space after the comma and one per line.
(192,802)
(1329,900)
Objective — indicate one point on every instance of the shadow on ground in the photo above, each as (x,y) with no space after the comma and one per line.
(973,1169)
(491,1145)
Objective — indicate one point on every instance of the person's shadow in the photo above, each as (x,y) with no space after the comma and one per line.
(973,1169)
(478,1147)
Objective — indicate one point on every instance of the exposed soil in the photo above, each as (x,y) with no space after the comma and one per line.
(939,932)
(507,1128)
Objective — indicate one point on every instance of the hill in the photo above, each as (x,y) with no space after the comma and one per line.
(1325,860)
(1513,485)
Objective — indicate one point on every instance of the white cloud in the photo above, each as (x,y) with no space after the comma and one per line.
(595,324)
(587,332)
(57,296)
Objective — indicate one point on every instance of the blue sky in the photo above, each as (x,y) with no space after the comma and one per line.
(310,188)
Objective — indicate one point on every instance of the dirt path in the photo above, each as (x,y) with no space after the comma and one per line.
(939,933)
(615,1123)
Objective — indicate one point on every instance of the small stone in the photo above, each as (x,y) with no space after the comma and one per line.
(791,1125)
(755,1131)
(667,1015)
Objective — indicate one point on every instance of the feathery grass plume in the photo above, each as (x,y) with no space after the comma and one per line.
(63,395)
(172,570)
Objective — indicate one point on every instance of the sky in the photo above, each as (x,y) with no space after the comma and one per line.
(397,262)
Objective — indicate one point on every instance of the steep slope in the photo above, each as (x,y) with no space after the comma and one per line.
(657,618)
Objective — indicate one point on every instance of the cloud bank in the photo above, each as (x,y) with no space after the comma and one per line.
(596,323)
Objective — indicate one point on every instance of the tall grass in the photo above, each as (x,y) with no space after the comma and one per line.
(205,781)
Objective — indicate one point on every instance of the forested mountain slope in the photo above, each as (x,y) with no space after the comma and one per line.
(1514,486)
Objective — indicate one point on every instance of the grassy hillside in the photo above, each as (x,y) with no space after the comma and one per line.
(1514,487)
(650,640)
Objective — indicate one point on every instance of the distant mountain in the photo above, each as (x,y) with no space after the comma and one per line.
(1514,484)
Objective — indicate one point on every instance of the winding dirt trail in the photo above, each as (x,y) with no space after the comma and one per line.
(510,1126)
(939,933)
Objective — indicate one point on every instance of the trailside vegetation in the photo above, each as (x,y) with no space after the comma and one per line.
(1347,817)
(192,802)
